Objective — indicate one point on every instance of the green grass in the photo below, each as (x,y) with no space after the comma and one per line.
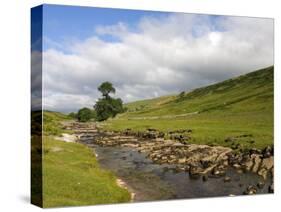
(52,123)
(71,174)
(72,177)
(238,106)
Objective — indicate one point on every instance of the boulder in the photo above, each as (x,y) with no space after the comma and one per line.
(250,190)
(236,166)
(248,165)
(67,138)
(182,160)
(263,172)
(267,163)
(268,151)
(218,172)
(265,167)
(255,151)
(227,179)
(240,171)
(257,161)
(159,139)
(260,185)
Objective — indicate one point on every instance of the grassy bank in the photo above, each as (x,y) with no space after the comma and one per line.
(71,174)
(233,108)
(52,123)
(72,177)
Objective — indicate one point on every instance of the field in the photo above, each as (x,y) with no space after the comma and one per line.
(240,108)
(71,174)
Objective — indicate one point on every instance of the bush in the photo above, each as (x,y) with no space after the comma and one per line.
(84,114)
(73,115)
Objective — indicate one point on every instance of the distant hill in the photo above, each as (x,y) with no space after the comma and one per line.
(250,92)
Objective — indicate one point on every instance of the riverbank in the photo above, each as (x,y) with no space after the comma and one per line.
(72,177)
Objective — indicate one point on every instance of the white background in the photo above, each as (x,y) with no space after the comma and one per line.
(15,102)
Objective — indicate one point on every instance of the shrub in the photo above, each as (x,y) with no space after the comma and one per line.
(84,114)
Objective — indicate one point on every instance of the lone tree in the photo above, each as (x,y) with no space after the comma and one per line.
(107,106)
(106,88)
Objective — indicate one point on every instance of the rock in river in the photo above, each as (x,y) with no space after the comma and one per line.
(227,179)
(250,190)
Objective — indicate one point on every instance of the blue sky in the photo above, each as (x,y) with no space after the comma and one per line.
(145,54)
(63,23)
(77,22)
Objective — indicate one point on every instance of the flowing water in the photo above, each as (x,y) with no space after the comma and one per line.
(150,181)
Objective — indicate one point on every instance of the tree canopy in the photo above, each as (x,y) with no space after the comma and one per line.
(106,88)
(107,106)
(84,114)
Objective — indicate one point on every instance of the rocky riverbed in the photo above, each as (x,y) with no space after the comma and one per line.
(197,161)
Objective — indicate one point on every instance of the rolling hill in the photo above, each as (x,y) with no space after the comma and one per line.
(233,108)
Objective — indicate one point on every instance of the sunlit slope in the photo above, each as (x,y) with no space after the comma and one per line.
(232,108)
(246,93)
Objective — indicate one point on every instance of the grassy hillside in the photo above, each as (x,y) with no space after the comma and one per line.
(71,176)
(52,122)
(232,108)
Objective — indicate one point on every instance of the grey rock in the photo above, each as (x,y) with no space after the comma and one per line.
(250,190)
(260,185)
(227,179)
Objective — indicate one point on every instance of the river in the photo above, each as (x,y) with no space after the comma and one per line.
(150,181)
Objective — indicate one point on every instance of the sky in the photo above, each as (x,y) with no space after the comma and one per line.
(145,54)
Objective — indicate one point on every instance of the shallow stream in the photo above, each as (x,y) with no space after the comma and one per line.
(150,181)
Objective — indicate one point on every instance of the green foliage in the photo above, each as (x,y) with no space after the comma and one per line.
(105,88)
(84,114)
(107,107)
(73,115)
(181,95)
(76,179)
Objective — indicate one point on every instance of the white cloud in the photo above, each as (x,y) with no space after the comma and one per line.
(160,56)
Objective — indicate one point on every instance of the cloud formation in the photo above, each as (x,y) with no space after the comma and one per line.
(158,56)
